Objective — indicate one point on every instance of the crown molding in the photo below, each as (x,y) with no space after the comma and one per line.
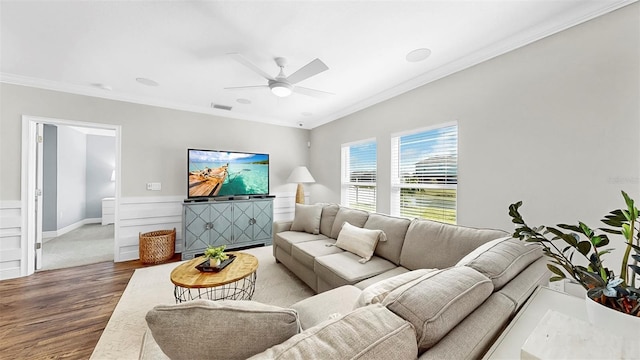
(110,95)
(548,28)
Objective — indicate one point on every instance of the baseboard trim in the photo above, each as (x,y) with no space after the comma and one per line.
(48,235)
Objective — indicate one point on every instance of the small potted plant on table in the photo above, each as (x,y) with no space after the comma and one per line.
(216,255)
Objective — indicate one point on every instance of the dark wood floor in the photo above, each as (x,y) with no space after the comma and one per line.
(60,314)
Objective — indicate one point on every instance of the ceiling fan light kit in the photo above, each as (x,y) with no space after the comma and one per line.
(280,89)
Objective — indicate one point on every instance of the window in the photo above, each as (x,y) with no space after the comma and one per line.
(359,162)
(424,173)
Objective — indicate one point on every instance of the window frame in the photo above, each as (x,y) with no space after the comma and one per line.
(395,184)
(345,178)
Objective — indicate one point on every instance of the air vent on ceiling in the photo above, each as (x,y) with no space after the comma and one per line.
(221,107)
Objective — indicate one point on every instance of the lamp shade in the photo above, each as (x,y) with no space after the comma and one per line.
(300,174)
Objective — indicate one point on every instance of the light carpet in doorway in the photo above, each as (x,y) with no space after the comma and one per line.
(89,244)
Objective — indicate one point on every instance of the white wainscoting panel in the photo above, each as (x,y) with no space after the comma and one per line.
(142,214)
(284,206)
(11,251)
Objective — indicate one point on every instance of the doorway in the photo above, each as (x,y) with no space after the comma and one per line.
(72,169)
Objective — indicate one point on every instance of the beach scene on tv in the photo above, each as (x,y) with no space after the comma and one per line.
(225,173)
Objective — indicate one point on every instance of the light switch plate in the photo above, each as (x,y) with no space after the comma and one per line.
(155,186)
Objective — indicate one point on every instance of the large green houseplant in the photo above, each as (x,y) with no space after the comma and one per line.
(601,283)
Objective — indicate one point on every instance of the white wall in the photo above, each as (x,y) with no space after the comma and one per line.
(50,179)
(72,176)
(153,146)
(555,124)
(154,139)
(101,160)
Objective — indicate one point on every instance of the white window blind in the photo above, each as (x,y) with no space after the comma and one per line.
(424,173)
(359,174)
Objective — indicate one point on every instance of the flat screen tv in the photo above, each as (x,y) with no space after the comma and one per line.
(215,173)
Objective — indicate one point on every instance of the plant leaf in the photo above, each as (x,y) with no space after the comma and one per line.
(584,247)
(585,229)
(570,227)
(555,270)
(635,247)
(556,278)
(635,268)
(610,231)
(628,200)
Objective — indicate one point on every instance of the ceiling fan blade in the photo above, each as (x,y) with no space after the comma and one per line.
(242,60)
(312,92)
(247,87)
(313,68)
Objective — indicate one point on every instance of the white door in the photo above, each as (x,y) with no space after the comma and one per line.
(38,196)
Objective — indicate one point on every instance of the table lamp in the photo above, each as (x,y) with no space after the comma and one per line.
(300,175)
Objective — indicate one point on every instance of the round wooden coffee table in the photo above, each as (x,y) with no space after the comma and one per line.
(237,281)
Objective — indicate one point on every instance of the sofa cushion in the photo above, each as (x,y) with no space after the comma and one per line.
(286,239)
(327,305)
(344,269)
(238,329)
(371,332)
(352,216)
(307,218)
(395,230)
(359,241)
(502,259)
(329,212)
(431,244)
(474,335)
(522,286)
(375,293)
(438,301)
(382,276)
(306,252)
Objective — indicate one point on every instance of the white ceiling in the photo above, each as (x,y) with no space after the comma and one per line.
(184,46)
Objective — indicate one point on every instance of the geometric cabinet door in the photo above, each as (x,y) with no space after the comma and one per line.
(231,223)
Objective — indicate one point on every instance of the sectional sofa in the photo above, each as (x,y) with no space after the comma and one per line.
(389,288)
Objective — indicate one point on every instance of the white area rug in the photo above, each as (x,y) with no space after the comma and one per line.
(151,286)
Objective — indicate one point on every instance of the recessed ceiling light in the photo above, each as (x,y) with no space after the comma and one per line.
(102,86)
(418,55)
(306,114)
(244,101)
(148,82)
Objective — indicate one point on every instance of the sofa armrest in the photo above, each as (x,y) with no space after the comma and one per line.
(280,226)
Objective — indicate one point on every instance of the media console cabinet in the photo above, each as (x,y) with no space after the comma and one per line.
(234,223)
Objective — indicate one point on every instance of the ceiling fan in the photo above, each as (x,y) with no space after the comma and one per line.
(282,85)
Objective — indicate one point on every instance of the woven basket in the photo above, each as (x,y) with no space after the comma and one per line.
(157,246)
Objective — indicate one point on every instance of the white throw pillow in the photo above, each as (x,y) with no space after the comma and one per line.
(361,242)
(307,218)
(375,293)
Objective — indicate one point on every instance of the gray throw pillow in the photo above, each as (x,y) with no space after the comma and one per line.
(307,218)
(438,301)
(353,216)
(204,329)
(370,332)
(502,259)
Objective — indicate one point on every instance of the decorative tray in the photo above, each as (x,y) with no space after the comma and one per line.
(204,266)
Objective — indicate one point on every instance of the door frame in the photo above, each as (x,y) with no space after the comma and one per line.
(28,185)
